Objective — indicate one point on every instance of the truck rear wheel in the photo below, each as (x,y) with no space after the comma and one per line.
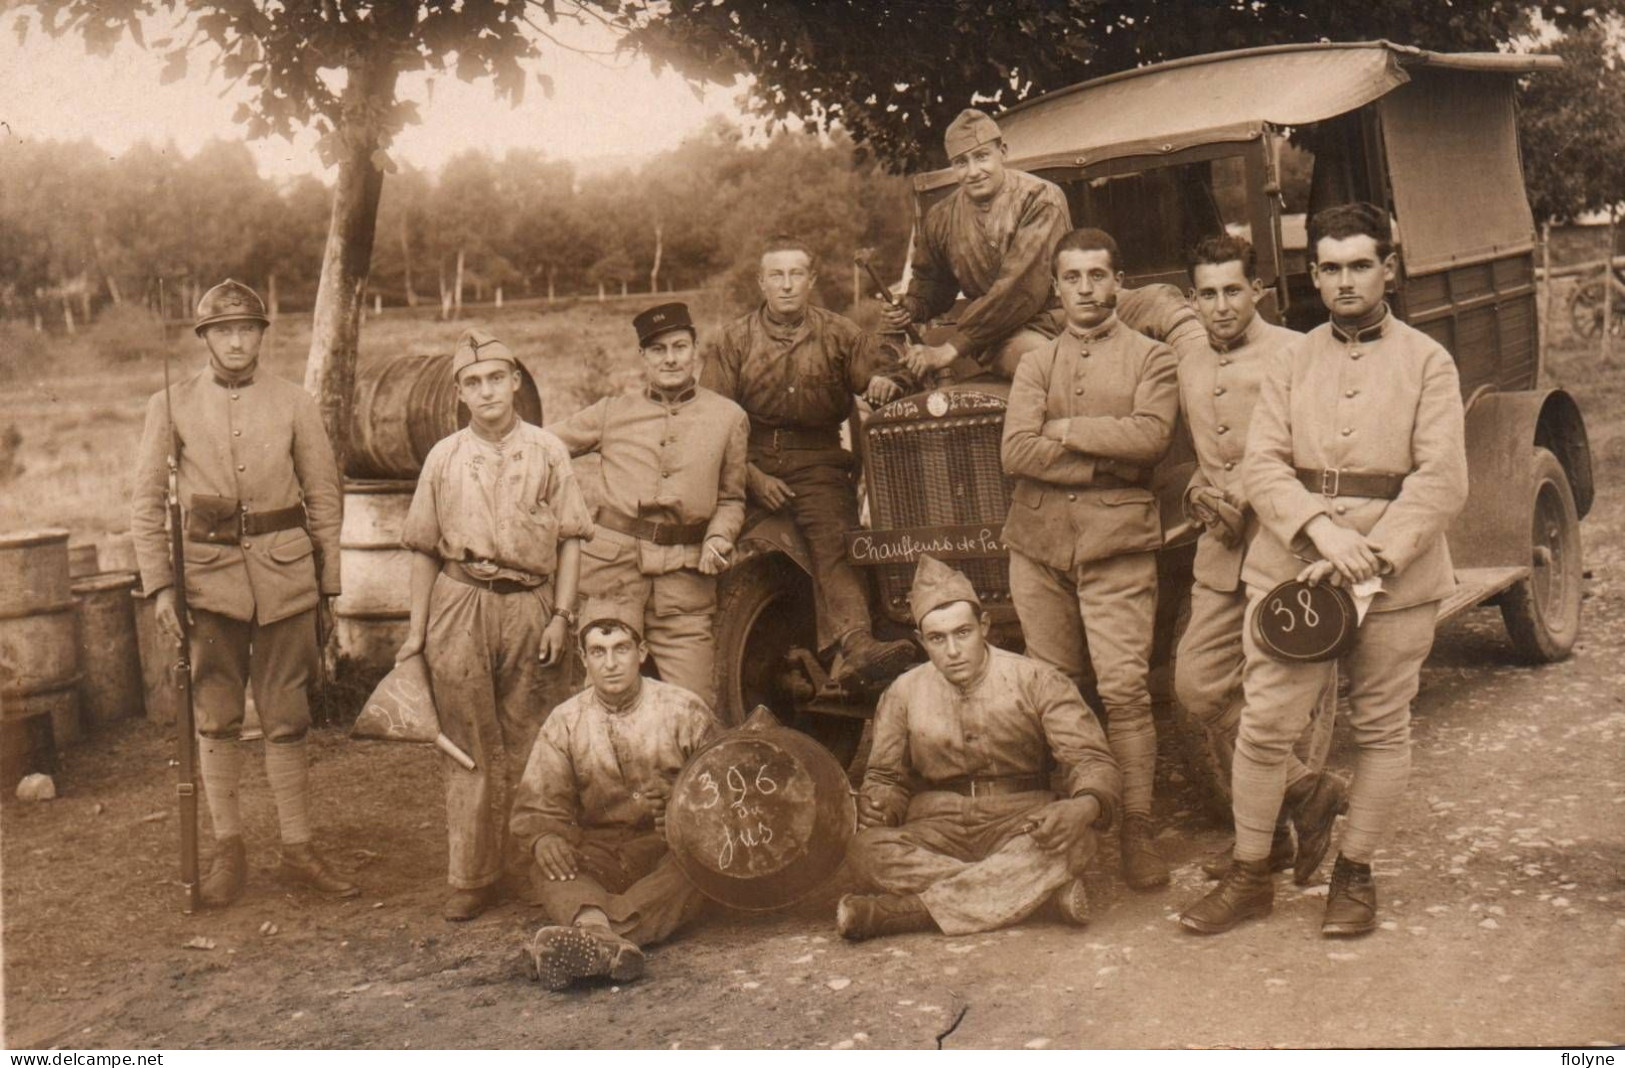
(764,610)
(1542,612)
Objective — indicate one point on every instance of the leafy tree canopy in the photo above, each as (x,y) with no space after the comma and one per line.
(1572,123)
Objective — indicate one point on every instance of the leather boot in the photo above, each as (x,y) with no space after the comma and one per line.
(1281,853)
(1143,866)
(1247,890)
(1351,901)
(303,866)
(228,873)
(467,905)
(1072,901)
(558,956)
(868,660)
(1323,798)
(861,916)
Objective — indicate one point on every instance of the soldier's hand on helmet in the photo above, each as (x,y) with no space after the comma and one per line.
(895,316)
(771,493)
(168,621)
(1058,825)
(881,390)
(921,360)
(714,556)
(1320,571)
(557,858)
(412,646)
(555,641)
(870,814)
(1350,552)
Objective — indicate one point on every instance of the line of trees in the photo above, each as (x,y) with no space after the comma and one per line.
(82,231)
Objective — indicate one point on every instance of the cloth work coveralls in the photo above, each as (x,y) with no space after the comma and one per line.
(1083,528)
(970,858)
(256,444)
(1218,391)
(588,781)
(800,378)
(1384,401)
(499,509)
(669,459)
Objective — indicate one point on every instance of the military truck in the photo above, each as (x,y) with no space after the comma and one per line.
(1251,142)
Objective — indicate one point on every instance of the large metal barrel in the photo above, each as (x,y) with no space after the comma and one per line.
(111,685)
(403,405)
(760,816)
(39,651)
(371,614)
(82,560)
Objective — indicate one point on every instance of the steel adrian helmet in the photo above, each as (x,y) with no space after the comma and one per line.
(227,302)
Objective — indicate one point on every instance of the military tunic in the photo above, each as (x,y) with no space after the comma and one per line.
(671,459)
(257,444)
(498,508)
(1384,400)
(802,377)
(971,858)
(1083,528)
(589,780)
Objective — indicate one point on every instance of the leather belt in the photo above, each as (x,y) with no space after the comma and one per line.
(1339,483)
(453,570)
(778,438)
(992,785)
(222,521)
(648,530)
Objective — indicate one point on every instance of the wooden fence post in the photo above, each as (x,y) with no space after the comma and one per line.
(1546,302)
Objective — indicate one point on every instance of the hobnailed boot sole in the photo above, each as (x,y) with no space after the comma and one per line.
(558,956)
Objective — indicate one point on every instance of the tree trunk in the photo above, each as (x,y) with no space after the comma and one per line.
(113,291)
(406,261)
(600,292)
(271,299)
(623,287)
(499,296)
(550,290)
(335,333)
(654,272)
(67,314)
(457,287)
(1607,348)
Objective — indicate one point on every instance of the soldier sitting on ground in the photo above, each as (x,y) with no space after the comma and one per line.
(591,807)
(960,828)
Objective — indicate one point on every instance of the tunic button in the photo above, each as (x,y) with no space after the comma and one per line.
(1218,391)
(636,795)
(1084,353)
(248,545)
(240,467)
(1078,391)
(1342,508)
(1071,496)
(1355,355)
(1230,465)
(236,433)
(1347,431)
(1224,430)
(1351,393)
(234,396)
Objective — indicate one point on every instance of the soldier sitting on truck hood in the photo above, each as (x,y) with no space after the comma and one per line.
(992,240)
(960,826)
(794,368)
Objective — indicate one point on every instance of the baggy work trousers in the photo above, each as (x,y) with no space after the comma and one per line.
(482,650)
(1109,608)
(679,613)
(1384,668)
(629,874)
(824,509)
(1207,679)
(969,859)
(277,659)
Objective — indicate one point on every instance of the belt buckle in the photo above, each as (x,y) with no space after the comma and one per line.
(1330,480)
(972,784)
(654,530)
(242,521)
(776,446)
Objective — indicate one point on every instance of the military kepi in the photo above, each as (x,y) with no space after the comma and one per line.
(970,128)
(937,584)
(476,345)
(657,320)
(228,302)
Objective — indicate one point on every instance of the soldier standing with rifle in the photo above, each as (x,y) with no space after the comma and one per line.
(258,497)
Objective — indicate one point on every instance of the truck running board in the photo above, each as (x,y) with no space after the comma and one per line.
(1475,585)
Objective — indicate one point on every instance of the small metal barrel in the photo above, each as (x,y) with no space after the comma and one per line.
(761,816)
(39,653)
(109,654)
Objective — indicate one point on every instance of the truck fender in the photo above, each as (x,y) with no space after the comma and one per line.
(774,532)
(1493,528)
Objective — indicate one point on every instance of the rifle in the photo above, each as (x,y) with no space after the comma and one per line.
(185,744)
(884,293)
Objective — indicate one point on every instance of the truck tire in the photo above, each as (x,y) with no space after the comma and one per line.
(765,609)
(1542,612)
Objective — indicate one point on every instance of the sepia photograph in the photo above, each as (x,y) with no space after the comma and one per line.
(812,525)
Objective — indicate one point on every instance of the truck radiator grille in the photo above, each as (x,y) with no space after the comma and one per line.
(944,472)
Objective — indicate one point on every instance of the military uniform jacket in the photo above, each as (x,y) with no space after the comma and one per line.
(1020,718)
(261,443)
(1387,402)
(1218,390)
(678,459)
(1115,394)
(996,253)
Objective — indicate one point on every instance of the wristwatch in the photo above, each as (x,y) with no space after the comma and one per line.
(566,614)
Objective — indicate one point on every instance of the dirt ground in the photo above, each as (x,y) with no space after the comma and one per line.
(1503,903)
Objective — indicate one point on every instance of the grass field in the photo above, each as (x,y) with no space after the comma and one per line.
(71,408)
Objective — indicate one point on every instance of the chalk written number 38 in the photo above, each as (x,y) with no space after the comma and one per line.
(1306,602)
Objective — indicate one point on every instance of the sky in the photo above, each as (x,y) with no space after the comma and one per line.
(605,110)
